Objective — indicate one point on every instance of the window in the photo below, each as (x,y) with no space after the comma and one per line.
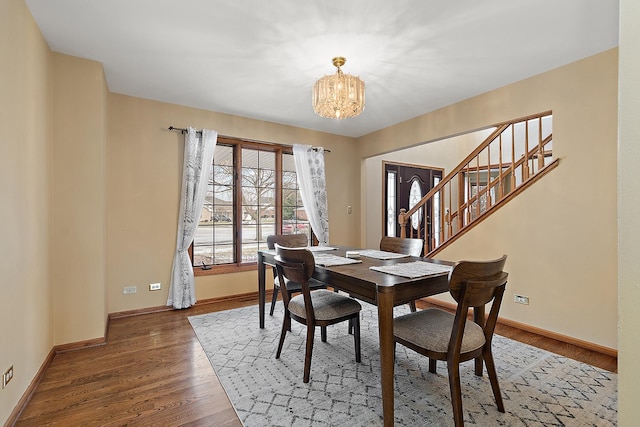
(391,203)
(252,193)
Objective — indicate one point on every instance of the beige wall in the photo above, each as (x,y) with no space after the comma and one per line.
(629,214)
(79,228)
(26,327)
(144,175)
(560,235)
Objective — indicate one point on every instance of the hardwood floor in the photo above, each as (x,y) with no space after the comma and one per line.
(152,371)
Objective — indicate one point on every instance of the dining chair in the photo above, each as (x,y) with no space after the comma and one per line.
(293,241)
(320,307)
(441,335)
(403,245)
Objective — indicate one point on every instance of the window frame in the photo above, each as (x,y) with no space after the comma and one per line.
(238,145)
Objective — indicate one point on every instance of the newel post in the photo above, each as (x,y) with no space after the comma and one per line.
(402,220)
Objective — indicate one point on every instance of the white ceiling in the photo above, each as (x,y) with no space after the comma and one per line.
(259,58)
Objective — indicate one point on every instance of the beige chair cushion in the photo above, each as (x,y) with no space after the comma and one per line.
(295,287)
(313,283)
(327,305)
(431,329)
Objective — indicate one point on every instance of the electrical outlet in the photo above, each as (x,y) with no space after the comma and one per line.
(6,377)
(521,299)
(127,290)
(155,286)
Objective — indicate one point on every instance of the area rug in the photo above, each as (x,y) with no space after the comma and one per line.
(538,388)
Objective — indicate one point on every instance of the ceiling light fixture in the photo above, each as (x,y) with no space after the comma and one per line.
(338,96)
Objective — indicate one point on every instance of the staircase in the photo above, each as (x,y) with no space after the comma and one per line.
(513,157)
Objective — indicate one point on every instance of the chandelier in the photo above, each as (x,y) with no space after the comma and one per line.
(338,96)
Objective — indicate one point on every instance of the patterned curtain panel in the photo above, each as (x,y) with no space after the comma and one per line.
(198,158)
(313,188)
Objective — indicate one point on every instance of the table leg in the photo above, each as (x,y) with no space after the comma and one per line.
(478,317)
(261,288)
(385,327)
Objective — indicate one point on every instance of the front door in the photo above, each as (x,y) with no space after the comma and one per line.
(404,186)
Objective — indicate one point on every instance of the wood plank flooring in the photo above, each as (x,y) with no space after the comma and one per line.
(152,371)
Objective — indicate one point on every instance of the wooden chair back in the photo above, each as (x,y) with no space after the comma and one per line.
(287,240)
(480,278)
(292,241)
(402,245)
(474,284)
(296,265)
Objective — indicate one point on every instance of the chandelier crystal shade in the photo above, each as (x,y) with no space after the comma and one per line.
(338,96)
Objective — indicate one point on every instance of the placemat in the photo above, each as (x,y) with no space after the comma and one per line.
(372,253)
(329,260)
(321,248)
(414,269)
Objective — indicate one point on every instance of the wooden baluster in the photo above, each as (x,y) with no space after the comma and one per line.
(513,157)
(477,186)
(525,165)
(447,221)
(428,224)
(460,202)
(500,184)
(450,202)
(540,147)
(488,194)
(468,201)
(402,220)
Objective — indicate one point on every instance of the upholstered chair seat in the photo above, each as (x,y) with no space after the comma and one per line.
(412,329)
(327,305)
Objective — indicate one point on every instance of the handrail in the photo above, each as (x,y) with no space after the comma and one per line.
(455,170)
(502,179)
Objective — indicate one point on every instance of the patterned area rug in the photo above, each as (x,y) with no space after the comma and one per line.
(538,388)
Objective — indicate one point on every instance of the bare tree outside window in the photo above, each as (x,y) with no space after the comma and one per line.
(258,200)
(294,217)
(241,204)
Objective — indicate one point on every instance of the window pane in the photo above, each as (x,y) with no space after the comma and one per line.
(391,204)
(258,200)
(294,217)
(216,245)
(289,180)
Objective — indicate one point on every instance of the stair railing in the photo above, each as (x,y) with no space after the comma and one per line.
(512,157)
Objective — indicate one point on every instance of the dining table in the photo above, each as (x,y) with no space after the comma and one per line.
(378,280)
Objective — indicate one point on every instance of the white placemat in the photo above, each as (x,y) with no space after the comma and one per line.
(414,269)
(329,260)
(372,253)
(321,248)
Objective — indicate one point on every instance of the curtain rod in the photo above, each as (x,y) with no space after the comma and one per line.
(183,131)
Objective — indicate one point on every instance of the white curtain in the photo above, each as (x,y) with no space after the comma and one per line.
(198,157)
(313,188)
